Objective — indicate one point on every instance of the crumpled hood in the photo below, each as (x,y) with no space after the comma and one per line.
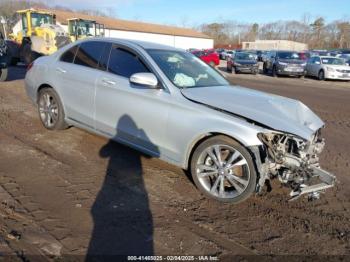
(276,112)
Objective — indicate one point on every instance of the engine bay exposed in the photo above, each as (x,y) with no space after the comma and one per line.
(295,162)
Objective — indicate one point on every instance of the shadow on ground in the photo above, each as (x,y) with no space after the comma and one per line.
(121,215)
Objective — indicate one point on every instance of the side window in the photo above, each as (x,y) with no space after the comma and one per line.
(69,55)
(317,59)
(89,53)
(125,63)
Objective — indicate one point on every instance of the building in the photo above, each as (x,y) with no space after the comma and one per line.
(275,45)
(167,35)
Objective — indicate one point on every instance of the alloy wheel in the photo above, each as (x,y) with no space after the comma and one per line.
(48,110)
(223,171)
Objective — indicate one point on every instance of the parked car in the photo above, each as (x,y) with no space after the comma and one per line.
(229,54)
(284,63)
(320,53)
(3,59)
(328,67)
(243,63)
(171,105)
(222,53)
(226,54)
(304,55)
(211,58)
(192,50)
(261,55)
(346,58)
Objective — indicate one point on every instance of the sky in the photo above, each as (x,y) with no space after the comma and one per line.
(195,12)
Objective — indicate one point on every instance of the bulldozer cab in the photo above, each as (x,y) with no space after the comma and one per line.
(32,19)
(81,28)
(39,34)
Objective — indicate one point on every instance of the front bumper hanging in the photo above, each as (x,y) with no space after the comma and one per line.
(327,180)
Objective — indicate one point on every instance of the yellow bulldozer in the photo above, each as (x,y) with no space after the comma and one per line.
(39,34)
(81,28)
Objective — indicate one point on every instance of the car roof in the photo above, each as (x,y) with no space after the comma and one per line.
(142,44)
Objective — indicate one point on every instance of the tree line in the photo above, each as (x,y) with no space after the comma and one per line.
(315,32)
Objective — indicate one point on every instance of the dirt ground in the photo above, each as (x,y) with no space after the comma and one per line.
(72,193)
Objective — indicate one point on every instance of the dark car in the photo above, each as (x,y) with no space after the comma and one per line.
(284,63)
(243,63)
(3,59)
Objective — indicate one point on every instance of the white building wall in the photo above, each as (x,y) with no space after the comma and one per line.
(170,40)
(275,45)
(192,42)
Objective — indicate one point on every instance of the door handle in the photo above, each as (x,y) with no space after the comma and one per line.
(108,82)
(60,70)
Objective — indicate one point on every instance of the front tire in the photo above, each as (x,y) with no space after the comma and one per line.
(50,110)
(223,170)
(321,76)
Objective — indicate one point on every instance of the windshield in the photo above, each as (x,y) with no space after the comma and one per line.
(39,19)
(244,56)
(333,61)
(81,28)
(288,55)
(185,70)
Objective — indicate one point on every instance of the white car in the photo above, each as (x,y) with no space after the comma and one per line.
(328,67)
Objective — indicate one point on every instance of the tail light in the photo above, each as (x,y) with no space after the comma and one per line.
(30,66)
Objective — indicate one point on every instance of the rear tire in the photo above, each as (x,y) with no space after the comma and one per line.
(3,74)
(50,109)
(236,178)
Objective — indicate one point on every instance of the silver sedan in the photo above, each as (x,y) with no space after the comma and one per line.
(171,105)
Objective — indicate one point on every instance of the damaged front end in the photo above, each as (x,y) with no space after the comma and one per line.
(295,162)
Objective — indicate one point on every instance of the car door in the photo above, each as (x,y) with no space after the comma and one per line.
(134,114)
(309,66)
(76,81)
(316,66)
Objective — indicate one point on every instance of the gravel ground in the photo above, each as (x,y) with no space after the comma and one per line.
(77,193)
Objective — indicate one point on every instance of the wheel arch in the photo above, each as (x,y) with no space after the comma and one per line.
(41,87)
(46,85)
(203,137)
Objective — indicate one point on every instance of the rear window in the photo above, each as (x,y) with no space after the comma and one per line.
(288,55)
(89,53)
(69,55)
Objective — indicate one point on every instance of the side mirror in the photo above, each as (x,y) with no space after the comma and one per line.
(144,79)
(317,63)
